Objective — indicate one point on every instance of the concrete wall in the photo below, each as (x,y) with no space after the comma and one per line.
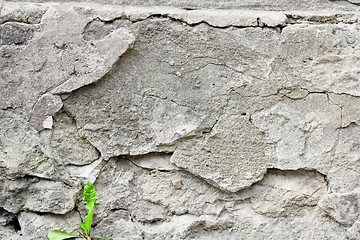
(193,119)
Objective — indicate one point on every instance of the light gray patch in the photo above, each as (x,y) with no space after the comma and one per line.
(16,34)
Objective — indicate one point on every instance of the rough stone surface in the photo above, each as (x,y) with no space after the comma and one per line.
(15,34)
(193,119)
(32,224)
(343,207)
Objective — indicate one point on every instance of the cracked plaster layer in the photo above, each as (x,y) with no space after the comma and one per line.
(53,59)
(243,4)
(198,124)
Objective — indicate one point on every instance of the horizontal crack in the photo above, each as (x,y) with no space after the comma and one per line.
(145,168)
(22,21)
(241,19)
(349,1)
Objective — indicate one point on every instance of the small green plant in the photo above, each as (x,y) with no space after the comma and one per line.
(90,196)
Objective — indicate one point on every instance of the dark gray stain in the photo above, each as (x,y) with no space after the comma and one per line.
(16,33)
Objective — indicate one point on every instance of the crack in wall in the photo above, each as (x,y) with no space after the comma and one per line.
(327,93)
(73,118)
(310,92)
(179,169)
(234,197)
(356,3)
(20,21)
(289,18)
(340,106)
(185,23)
(144,168)
(11,108)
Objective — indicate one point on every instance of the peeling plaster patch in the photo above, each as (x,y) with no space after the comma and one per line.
(278,122)
(106,52)
(302,130)
(232,157)
(23,151)
(349,106)
(269,5)
(38,195)
(69,62)
(154,109)
(43,111)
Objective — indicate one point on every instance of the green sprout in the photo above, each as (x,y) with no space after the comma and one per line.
(90,196)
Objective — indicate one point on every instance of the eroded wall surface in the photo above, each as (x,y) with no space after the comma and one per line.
(193,119)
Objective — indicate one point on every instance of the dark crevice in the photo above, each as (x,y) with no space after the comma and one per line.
(97,29)
(278,28)
(354,3)
(303,97)
(327,181)
(15,224)
(9,108)
(76,209)
(260,24)
(37,177)
(349,1)
(25,177)
(11,219)
(351,124)
(81,165)
(189,8)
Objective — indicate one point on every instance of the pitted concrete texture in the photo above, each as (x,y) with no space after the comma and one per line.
(193,119)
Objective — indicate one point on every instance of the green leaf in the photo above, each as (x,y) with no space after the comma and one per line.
(59,235)
(90,198)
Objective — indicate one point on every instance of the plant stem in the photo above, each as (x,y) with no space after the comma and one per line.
(82,235)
